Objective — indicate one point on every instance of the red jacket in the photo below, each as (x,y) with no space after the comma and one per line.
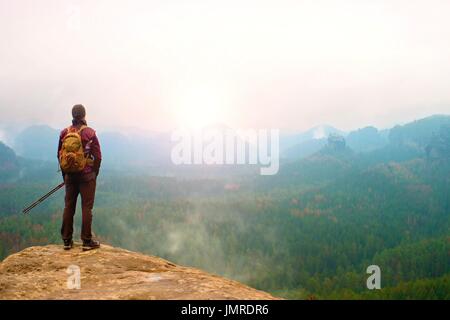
(91,146)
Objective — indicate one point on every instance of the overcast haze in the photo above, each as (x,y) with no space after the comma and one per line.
(268,64)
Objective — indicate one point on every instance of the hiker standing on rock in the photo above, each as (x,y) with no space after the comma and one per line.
(79,157)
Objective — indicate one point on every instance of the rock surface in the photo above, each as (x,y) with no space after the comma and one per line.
(110,273)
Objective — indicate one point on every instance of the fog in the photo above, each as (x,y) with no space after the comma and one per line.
(290,65)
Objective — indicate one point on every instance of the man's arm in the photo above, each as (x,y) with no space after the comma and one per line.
(59,149)
(97,153)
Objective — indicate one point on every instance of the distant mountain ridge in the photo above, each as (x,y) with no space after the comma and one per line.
(37,142)
(414,135)
(9,163)
(138,148)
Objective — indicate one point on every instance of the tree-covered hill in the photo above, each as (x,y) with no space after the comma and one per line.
(308,232)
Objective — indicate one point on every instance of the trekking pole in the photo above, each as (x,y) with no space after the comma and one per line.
(38,201)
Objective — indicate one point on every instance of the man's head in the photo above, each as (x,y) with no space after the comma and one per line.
(78,112)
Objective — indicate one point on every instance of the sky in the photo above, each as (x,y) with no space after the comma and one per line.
(290,65)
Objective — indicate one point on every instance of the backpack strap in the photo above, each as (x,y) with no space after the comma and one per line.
(81,128)
(72,129)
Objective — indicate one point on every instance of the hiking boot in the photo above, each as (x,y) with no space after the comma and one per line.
(90,244)
(68,244)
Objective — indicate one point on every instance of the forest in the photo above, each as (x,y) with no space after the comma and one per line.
(308,232)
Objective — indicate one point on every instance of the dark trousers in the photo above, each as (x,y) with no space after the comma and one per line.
(84,185)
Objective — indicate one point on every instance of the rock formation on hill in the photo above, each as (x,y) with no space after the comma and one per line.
(49,272)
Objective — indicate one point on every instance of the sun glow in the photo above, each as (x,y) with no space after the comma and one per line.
(200,107)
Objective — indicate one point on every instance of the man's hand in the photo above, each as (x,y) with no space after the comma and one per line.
(96,167)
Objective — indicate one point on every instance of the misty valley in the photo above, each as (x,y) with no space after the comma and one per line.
(338,205)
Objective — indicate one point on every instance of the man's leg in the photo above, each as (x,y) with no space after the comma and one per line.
(70,200)
(87,191)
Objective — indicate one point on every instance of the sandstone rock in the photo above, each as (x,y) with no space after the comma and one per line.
(110,273)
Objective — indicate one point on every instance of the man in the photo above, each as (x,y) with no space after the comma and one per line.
(82,182)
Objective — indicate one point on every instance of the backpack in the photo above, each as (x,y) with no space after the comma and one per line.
(71,156)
